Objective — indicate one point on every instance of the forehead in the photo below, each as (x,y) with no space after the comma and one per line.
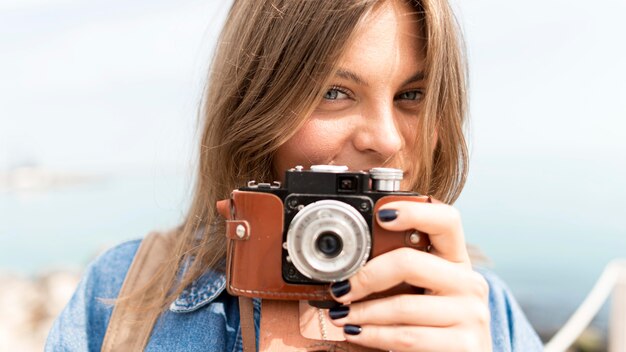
(390,34)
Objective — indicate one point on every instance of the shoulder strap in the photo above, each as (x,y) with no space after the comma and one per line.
(128,329)
(246,321)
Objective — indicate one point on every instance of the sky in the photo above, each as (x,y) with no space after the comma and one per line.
(116,84)
(102,84)
(547,77)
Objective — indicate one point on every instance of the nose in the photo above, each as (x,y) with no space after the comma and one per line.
(379,132)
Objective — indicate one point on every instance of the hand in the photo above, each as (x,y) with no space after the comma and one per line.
(454,313)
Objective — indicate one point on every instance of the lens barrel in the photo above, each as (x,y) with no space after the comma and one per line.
(328,240)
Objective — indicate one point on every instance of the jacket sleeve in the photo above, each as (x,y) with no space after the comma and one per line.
(510,330)
(83,322)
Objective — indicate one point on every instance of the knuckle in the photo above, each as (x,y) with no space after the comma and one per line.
(480,313)
(450,212)
(479,285)
(364,277)
(357,312)
(406,261)
(454,215)
(484,316)
(404,253)
(406,256)
(476,343)
(406,339)
(468,341)
(373,333)
(398,304)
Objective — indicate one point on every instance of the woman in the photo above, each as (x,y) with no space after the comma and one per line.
(358,83)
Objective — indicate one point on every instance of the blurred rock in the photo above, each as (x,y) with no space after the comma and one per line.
(28,307)
(591,340)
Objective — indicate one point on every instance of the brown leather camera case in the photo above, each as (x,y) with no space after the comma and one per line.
(254,227)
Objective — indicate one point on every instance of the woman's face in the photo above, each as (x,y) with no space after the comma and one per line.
(369,113)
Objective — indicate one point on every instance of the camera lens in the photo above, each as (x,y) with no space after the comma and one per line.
(328,240)
(329,243)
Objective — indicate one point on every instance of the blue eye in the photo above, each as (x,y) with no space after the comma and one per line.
(334,94)
(411,95)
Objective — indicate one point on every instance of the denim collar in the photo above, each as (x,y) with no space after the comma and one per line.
(200,292)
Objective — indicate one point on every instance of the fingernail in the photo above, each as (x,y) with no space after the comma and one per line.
(338,312)
(352,329)
(386,215)
(340,288)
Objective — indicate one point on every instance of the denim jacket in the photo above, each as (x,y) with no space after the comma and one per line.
(206,318)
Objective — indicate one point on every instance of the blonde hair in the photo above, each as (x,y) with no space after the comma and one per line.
(272,65)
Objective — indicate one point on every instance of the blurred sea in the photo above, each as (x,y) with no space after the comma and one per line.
(548,227)
(67,226)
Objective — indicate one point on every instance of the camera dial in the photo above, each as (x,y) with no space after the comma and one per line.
(328,240)
(329,168)
(386,179)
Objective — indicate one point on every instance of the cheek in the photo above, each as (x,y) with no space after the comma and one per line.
(317,142)
(409,130)
(408,160)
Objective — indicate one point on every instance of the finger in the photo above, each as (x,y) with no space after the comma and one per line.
(413,267)
(441,222)
(411,338)
(420,310)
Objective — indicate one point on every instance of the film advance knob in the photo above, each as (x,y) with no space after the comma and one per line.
(386,179)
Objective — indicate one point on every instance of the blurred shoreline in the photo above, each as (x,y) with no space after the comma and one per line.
(34,178)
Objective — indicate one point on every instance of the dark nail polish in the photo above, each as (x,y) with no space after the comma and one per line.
(339,312)
(340,288)
(387,215)
(352,329)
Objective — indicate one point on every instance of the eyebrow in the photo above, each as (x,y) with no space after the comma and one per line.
(349,75)
(419,76)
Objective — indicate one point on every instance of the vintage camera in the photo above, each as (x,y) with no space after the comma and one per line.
(290,241)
